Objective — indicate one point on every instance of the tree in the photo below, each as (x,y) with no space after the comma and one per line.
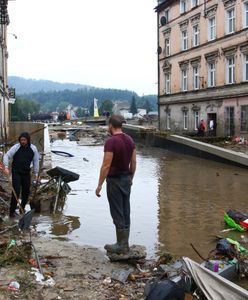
(62,105)
(81,112)
(147,106)
(133,107)
(23,107)
(106,106)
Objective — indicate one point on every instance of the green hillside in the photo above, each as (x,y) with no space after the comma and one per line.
(53,96)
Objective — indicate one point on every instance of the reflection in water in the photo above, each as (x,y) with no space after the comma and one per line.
(96,226)
(176,200)
(64,225)
(193,193)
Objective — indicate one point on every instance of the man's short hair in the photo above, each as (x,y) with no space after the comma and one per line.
(116,121)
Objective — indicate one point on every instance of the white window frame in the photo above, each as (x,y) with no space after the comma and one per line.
(230,70)
(167,47)
(245,68)
(245,15)
(185,119)
(167,83)
(184,34)
(183,6)
(194,3)
(168,120)
(211,74)
(212,28)
(196,35)
(244,118)
(196,119)
(167,15)
(196,79)
(184,80)
(230,20)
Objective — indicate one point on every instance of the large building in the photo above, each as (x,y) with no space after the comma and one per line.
(203,65)
(7,95)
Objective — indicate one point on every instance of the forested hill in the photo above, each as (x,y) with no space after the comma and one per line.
(53,96)
(28,86)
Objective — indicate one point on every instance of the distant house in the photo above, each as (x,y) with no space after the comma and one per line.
(126,114)
(55,116)
(141,113)
(122,108)
(153,114)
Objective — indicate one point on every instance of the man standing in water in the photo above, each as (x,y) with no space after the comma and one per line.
(118,168)
(22,154)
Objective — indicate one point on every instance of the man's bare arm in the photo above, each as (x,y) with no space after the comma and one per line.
(133,163)
(107,160)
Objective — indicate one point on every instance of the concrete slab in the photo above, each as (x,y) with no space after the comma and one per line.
(229,155)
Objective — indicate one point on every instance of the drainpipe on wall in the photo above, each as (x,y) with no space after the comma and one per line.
(4,21)
(158,70)
(2,86)
(4,80)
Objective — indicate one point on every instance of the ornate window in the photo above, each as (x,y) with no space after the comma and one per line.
(195,63)
(168,118)
(211,59)
(195,29)
(246,67)
(230,20)
(183,6)
(185,118)
(230,70)
(167,77)
(244,51)
(196,119)
(194,3)
(184,35)
(167,41)
(167,83)
(211,74)
(230,64)
(211,28)
(245,14)
(167,47)
(184,75)
(196,34)
(210,14)
(184,40)
(244,118)
(184,80)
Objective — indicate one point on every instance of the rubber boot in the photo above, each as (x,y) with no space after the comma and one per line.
(122,246)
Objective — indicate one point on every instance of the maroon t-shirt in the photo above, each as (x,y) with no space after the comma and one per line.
(122,146)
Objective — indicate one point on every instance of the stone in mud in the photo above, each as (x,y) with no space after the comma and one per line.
(136,252)
(121,274)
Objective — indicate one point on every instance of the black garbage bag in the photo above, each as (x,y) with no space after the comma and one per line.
(66,175)
(236,216)
(227,249)
(165,290)
(25,221)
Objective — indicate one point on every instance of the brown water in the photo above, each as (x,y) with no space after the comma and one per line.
(176,200)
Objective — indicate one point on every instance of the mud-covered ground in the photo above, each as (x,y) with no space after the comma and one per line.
(77,272)
(71,271)
(233,145)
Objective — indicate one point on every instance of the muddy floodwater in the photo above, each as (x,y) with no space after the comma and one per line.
(176,200)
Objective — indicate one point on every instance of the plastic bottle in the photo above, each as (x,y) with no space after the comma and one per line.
(216,266)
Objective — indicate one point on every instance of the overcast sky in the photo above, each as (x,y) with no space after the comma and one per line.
(110,44)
